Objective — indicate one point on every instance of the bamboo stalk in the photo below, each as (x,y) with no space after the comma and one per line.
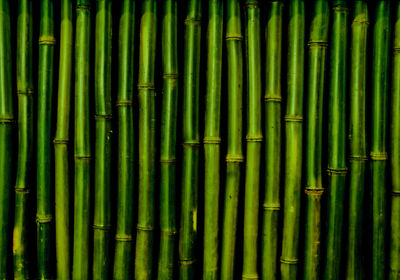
(337,168)
(6,136)
(254,140)
(273,99)
(357,137)
(378,136)
(124,229)
(61,145)
(102,153)
(395,153)
(147,115)
(317,55)
(25,139)
(168,140)
(294,140)
(212,140)
(234,157)
(44,216)
(191,140)
(80,263)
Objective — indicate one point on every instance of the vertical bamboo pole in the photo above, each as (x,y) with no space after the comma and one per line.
(6,134)
(212,140)
(82,149)
(254,140)
(25,138)
(378,136)
(102,153)
(294,140)
(234,157)
(147,128)
(191,140)
(317,55)
(123,257)
(357,139)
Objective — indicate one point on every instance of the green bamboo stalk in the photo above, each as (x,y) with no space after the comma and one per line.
(234,157)
(378,136)
(294,140)
(212,140)
(61,145)
(394,273)
(168,140)
(337,168)
(6,136)
(191,140)
(80,261)
(317,55)
(254,140)
(102,153)
(44,216)
(273,98)
(25,139)
(357,139)
(124,230)
(147,128)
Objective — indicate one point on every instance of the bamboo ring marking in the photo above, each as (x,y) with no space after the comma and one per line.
(293,118)
(28,91)
(83,7)
(170,75)
(254,138)
(22,190)
(273,98)
(395,193)
(168,161)
(231,36)
(314,191)
(234,158)
(249,276)
(337,171)
(124,103)
(361,20)
(289,261)
(377,156)
(7,120)
(149,86)
(168,232)
(61,141)
(44,219)
(192,21)
(358,158)
(212,140)
(102,227)
(251,4)
(318,44)
(83,157)
(272,207)
(144,228)
(123,238)
(396,50)
(47,40)
(187,262)
(103,116)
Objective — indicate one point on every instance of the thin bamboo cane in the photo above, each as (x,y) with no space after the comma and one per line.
(378,136)
(273,100)
(61,144)
(357,137)
(294,140)
(337,168)
(254,140)
(147,128)
(102,153)
(80,263)
(124,229)
(191,140)
(394,272)
(25,139)
(234,157)
(6,136)
(317,55)
(212,140)
(168,141)
(44,216)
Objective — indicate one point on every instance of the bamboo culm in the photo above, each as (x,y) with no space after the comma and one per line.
(380,61)
(254,140)
(191,140)
(337,168)
(357,140)
(294,140)
(273,99)
(147,130)
(313,171)
(234,157)
(25,140)
(6,137)
(168,140)
(394,272)
(212,140)
(82,149)
(102,151)
(44,216)
(123,257)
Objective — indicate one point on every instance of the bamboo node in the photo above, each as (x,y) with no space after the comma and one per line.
(45,219)
(361,20)
(124,103)
(47,40)
(123,237)
(318,44)
(272,207)
(27,92)
(230,36)
(251,4)
(340,6)
(249,276)
(7,120)
(396,50)
(83,6)
(192,21)
(395,193)
(273,98)
(377,156)
(103,116)
(254,138)
(192,143)
(293,118)
(314,191)
(289,261)
(170,75)
(144,228)
(187,262)
(61,141)
(22,190)
(336,171)
(358,158)
(83,157)
(212,140)
(101,227)
(168,160)
(234,158)
(149,86)
(168,232)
